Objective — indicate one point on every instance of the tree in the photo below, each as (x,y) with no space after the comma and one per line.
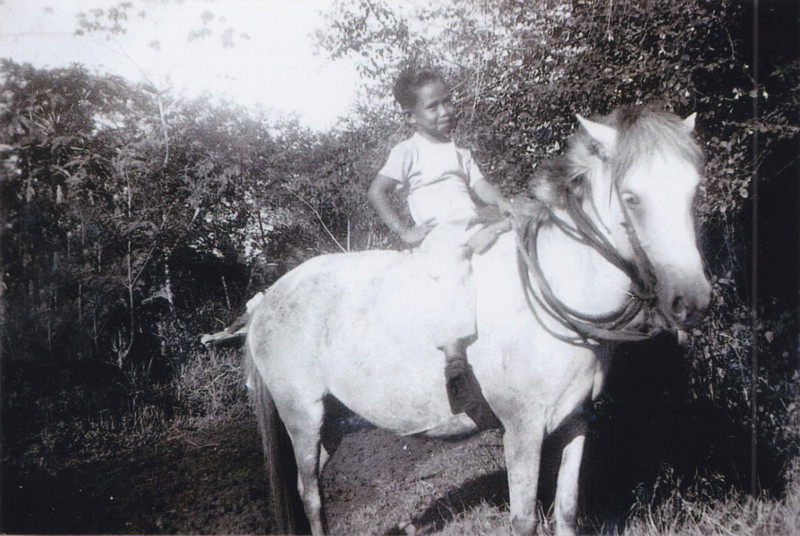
(93,212)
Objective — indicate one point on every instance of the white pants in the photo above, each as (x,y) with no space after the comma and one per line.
(446,259)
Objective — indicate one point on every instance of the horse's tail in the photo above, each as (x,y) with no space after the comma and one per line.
(287,506)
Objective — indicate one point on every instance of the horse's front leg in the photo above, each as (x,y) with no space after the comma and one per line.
(522,443)
(566,502)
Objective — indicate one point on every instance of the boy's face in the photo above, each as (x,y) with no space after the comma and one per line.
(432,115)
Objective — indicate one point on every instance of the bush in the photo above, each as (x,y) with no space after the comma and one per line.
(211,383)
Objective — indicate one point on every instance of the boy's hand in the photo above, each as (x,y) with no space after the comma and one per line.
(505,205)
(527,208)
(415,235)
(482,240)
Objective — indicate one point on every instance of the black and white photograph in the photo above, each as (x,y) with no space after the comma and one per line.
(457,267)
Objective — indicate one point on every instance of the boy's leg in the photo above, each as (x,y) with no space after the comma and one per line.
(448,258)
(457,372)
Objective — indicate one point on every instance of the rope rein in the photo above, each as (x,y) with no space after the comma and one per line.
(630,322)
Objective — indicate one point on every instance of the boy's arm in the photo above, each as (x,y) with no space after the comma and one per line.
(489,194)
(379,199)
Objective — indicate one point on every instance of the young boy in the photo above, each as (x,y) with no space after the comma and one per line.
(441,180)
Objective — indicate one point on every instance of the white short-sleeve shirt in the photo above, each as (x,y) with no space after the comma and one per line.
(438,177)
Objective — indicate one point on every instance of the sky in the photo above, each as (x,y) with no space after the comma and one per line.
(272,63)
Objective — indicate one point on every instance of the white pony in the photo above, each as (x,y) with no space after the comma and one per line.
(613,257)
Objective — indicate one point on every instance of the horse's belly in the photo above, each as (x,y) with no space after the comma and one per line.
(358,326)
(399,387)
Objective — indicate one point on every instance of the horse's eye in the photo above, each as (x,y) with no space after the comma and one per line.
(630,199)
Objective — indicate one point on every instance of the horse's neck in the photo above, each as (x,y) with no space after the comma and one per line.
(579,275)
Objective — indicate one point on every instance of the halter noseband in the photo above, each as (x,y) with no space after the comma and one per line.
(630,322)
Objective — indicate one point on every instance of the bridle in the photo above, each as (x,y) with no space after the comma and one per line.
(635,320)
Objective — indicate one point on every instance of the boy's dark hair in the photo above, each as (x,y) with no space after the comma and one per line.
(409,82)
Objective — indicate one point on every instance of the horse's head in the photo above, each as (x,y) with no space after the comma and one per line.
(643,169)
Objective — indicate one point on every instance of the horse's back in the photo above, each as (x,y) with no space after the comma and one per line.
(352,285)
(308,299)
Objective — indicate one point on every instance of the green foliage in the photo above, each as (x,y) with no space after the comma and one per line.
(133,223)
(115,212)
(723,372)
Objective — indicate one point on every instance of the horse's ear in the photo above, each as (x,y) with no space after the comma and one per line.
(602,134)
(689,122)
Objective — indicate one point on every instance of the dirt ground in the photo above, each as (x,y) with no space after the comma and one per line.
(379,483)
(197,481)
(210,479)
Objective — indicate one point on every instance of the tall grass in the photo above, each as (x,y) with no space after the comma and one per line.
(61,422)
(210,383)
(736,514)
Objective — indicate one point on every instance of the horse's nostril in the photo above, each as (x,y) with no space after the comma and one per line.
(679,308)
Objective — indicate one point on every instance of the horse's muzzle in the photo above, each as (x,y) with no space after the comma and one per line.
(687,306)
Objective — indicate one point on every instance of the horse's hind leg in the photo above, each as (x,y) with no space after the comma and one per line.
(304,429)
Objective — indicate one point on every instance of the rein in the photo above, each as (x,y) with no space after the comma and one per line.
(618,325)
